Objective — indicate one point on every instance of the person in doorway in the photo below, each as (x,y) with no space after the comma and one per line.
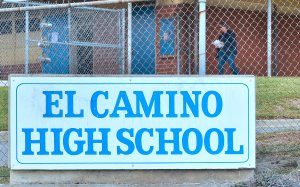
(226,49)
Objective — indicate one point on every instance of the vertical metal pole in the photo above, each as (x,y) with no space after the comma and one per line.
(196,39)
(269,39)
(123,41)
(178,44)
(26,41)
(276,39)
(189,46)
(202,37)
(120,43)
(129,36)
(71,68)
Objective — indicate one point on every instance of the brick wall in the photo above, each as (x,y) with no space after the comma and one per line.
(288,45)
(169,64)
(251,30)
(5,70)
(165,64)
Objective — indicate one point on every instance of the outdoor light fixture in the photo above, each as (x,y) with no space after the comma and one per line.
(44,59)
(45,25)
(43,44)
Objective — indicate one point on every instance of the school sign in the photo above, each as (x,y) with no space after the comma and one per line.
(132,122)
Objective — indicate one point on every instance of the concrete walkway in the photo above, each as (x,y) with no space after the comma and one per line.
(277,125)
(3,148)
(3,83)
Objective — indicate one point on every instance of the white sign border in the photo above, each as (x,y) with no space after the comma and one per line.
(132,165)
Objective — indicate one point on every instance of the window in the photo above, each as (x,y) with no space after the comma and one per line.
(34,25)
(20,25)
(5,27)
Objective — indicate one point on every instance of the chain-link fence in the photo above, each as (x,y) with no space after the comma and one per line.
(154,37)
(174,37)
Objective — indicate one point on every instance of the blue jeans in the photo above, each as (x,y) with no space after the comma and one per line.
(222,58)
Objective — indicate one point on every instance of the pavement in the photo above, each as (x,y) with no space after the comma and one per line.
(3,83)
(122,185)
(277,125)
(3,148)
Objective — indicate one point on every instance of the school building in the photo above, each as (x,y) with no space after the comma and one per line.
(163,37)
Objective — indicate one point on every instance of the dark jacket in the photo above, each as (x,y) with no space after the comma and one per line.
(229,40)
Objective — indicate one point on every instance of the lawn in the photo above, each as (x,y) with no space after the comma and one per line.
(276,98)
(4,175)
(3,108)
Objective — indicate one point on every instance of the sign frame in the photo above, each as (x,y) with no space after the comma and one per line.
(17,83)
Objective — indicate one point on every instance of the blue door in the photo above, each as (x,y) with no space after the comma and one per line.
(57,51)
(143,40)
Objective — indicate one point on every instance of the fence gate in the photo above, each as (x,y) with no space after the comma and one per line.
(79,41)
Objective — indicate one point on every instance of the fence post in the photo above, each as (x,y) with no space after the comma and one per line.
(26,41)
(71,69)
(121,25)
(178,43)
(129,42)
(202,37)
(269,33)
(123,40)
(276,39)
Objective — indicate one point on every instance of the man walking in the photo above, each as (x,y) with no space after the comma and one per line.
(227,50)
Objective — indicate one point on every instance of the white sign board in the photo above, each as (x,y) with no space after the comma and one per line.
(132,122)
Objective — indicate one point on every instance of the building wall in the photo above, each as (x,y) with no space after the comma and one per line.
(183,60)
(251,29)
(288,45)
(12,47)
(250,26)
(12,55)
(165,64)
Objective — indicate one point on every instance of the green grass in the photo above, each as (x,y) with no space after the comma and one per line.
(3,108)
(4,175)
(276,97)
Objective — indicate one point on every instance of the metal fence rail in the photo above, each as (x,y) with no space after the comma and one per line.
(173,37)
